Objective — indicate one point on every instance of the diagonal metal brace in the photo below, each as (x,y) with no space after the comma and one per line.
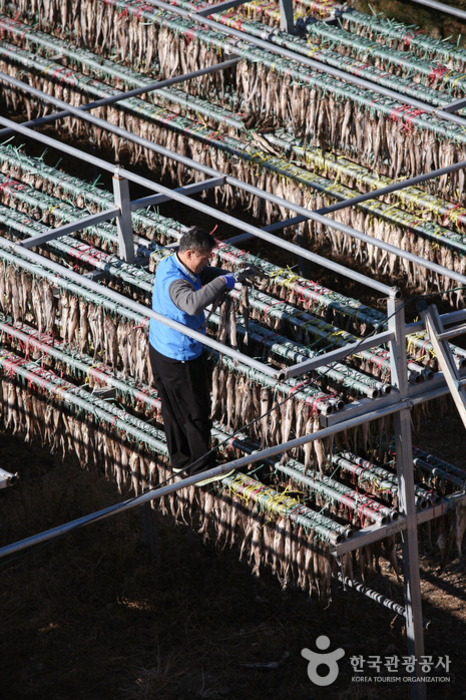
(436,334)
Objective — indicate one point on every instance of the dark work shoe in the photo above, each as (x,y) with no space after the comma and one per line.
(178,470)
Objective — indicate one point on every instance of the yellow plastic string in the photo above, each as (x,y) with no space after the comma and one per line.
(59,390)
(88,372)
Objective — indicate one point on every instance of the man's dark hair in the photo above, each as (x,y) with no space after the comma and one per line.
(196,239)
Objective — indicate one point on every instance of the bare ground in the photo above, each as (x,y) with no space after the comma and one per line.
(90,616)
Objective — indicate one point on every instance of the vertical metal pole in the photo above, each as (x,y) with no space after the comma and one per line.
(407,506)
(124,224)
(286,16)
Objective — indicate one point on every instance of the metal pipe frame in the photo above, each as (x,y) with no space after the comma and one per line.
(461,14)
(42,121)
(370,534)
(339,354)
(108,214)
(407,523)
(312,63)
(454,106)
(375,596)
(260,233)
(374,194)
(199,206)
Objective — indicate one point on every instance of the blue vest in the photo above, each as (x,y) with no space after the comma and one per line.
(165,340)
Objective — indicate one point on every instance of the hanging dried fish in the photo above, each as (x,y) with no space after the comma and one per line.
(73,321)
(245,311)
(111,344)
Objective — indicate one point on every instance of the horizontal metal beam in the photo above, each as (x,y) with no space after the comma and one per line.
(189,190)
(220,7)
(451,317)
(448,9)
(403,184)
(66,229)
(279,226)
(140,309)
(454,106)
(41,121)
(339,354)
(374,533)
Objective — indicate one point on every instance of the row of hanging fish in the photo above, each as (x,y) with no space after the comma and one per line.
(377,478)
(82,325)
(262,542)
(342,116)
(456,183)
(415,236)
(334,317)
(89,443)
(261,305)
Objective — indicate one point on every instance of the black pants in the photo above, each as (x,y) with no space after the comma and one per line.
(183,390)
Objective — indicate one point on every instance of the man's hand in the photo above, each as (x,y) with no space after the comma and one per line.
(248,274)
(230,281)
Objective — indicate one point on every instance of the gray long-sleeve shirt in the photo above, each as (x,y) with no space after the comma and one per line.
(194,302)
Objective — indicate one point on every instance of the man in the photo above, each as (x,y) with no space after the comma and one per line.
(184,286)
